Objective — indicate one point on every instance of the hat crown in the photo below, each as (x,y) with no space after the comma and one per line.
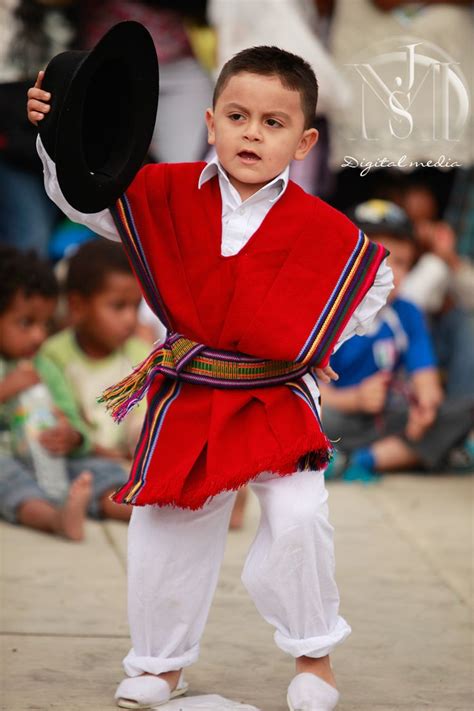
(102,117)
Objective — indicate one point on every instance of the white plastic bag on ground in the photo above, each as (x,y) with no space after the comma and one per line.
(210,702)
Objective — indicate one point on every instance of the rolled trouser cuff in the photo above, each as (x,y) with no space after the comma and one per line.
(315,647)
(135,665)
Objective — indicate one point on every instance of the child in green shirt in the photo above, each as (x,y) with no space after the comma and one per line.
(28,295)
(99,348)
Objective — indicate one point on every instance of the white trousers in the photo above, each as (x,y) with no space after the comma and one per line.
(174,561)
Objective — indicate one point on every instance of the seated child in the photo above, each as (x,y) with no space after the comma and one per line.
(99,349)
(384,422)
(28,294)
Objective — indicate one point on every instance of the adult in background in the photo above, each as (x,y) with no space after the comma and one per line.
(31,32)
(185,87)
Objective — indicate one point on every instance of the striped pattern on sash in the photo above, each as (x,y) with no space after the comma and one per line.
(186,360)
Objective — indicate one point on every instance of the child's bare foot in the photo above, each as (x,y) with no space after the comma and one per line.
(72,515)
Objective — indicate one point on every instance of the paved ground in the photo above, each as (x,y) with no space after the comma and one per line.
(404,552)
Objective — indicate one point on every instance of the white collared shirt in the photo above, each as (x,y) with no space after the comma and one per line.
(241,218)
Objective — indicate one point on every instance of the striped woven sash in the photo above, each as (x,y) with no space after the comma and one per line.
(181,358)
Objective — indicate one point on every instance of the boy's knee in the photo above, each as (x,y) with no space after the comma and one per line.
(308,514)
(300,504)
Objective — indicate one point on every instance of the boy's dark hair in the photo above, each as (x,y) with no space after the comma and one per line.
(25,273)
(90,265)
(293,71)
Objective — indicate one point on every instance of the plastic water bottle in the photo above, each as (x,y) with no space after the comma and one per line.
(36,414)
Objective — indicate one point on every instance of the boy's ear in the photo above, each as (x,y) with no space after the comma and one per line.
(211,135)
(307,141)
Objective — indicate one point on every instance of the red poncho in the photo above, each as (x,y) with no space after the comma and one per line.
(287,295)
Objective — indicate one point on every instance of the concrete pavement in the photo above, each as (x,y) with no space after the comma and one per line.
(404,564)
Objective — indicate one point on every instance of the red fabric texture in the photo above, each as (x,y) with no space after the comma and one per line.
(263,301)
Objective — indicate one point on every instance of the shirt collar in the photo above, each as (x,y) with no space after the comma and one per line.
(214,167)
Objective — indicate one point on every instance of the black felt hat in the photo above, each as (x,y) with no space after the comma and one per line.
(103,111)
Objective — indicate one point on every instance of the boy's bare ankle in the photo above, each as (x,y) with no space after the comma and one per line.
(320,666)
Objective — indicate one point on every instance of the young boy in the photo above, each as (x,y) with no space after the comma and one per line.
(28,295)
(99,348)
(386,411)
(240,260)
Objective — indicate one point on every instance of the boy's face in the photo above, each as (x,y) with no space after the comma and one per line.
(257,127)
(107,318)
(400,260)
(24,326)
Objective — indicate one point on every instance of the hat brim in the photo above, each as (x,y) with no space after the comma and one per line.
(107,118)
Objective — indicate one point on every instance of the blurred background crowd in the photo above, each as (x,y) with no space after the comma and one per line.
(406,390)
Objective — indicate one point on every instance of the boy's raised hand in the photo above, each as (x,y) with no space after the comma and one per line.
(37,105)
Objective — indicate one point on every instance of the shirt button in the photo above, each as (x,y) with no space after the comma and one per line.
(240,211)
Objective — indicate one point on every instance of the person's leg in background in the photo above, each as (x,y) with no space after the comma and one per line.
(238,512)
(22,501)
(379,444)
(352,435)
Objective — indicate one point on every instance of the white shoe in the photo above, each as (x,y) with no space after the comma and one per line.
(307,692)
(147,691)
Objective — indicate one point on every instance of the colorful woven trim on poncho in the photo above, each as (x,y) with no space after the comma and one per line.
(355,280)
(153,421)
(124,222)
(183,359)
